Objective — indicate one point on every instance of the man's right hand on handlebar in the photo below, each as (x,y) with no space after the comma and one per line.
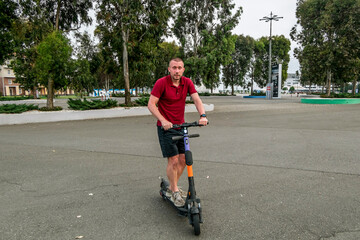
(166,125)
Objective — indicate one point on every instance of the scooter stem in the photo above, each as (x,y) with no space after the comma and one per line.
(190,171)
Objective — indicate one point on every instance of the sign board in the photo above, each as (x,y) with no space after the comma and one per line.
(276,79)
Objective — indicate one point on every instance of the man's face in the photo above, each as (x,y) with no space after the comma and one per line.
(176,70)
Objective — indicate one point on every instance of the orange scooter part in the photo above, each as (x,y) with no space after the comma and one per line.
(190,171)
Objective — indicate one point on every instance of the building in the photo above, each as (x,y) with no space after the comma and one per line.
(292,80)
(8,87)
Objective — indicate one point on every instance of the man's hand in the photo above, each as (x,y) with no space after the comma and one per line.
(166,125)
(203,121)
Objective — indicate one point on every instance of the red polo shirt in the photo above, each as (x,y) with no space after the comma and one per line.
(172,99)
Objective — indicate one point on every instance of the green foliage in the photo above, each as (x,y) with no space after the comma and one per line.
(258,94)
(53,63)
(15,98)
(133,30)
(17,108)
(235,72)
(7,17)
(45,109)
(61,15)
(78,104)
(329,41)
(118,95)
(280,51)
(143,101)
(341,95)
(204,31)
(81,76)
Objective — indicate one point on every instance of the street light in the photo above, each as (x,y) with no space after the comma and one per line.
(267,19)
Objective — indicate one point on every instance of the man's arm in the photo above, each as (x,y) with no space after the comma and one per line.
(200,108)
(155,112)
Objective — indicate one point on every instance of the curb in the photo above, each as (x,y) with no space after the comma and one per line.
(331,100)
(71,115)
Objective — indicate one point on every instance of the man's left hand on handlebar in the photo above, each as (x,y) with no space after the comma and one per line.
(203,121)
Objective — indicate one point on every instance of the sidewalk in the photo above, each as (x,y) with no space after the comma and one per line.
(71,115)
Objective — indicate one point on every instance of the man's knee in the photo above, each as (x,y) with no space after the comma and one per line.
(182,161)
(174,160)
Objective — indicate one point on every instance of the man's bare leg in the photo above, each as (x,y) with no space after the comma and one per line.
(172,172)
(181,166)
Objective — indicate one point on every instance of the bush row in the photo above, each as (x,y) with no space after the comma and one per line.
(17,108)
(75,104)
(15,98)
(341,95)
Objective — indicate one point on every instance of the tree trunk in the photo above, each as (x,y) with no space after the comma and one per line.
(328,77)
(125,37)
(50,95)
(354,87)
(34,92)
(252,83)
(58,15)
(232,89)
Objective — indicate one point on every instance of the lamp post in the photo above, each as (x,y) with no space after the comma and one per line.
(267,19)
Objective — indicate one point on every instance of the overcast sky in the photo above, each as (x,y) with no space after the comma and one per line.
(253,10)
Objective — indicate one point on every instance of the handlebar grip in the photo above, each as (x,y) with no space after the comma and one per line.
(194,135)
(177,138)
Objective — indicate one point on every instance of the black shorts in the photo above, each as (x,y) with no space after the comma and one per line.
(169,147)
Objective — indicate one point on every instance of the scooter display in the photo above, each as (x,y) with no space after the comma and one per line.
(192,207)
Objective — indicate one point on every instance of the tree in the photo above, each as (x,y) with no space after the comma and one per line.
(235,72)
(38,19)
(7,17)
(330,29)
(204,31)
(280,52)
(136,21)
(86,64)
(166,51)
(81,76)
(28,33)
(52,63)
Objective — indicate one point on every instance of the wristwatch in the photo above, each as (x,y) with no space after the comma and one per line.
(203,115)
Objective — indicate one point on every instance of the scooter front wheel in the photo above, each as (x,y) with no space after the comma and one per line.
(196,224)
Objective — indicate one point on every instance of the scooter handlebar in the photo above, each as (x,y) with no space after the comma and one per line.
(192,124)
(181,137)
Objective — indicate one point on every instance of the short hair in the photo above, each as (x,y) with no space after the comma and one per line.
(176,60)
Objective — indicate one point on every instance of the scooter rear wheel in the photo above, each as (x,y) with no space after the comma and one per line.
(196,224)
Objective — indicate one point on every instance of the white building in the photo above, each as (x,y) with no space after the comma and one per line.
(8,87)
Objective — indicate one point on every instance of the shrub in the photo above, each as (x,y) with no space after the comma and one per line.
(78,104)
(341,95)
(118,94)
(17,108)
(15,98)
(258,94)
(45,109)
(143,101)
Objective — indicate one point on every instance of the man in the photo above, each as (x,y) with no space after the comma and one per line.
(167,104)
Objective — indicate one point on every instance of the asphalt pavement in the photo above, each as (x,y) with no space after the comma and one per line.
(263,169)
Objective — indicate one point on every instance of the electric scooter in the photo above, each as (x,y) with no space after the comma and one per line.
(192,207)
